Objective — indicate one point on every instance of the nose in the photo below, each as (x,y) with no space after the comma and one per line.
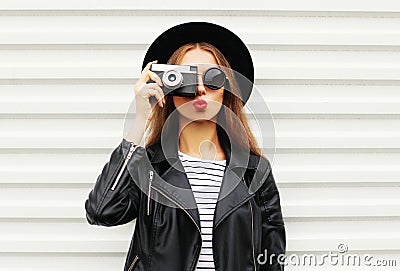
(201,90)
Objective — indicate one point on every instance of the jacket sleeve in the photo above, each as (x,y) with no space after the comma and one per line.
(273,227)
(114,199)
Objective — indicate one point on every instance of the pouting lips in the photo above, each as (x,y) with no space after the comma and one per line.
(200,104)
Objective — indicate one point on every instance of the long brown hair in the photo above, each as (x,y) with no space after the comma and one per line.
(231,101)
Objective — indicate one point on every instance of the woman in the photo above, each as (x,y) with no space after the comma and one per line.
(197,205)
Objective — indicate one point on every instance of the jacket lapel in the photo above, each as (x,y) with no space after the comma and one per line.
(234,191)
(172,181)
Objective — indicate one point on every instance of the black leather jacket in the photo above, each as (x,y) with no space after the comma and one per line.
(247,221)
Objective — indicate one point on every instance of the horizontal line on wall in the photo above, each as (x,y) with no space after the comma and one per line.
(261,116)
(341,218)
(370,252)
(63,254)
(49,217)
(56,150)
(311,140)
(90,150)
(43,220)
(143,47)
(122,254)
(325,116)
(322,47)
(198,12)
(69,81)
(132,81)
(321,184)
(337,150)
(63,46)
(318,177)
(334,82)
(85,184)
(63,116)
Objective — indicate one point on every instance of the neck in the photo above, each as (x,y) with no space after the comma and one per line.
(204,144)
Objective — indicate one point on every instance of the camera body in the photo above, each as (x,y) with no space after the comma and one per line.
(178,80)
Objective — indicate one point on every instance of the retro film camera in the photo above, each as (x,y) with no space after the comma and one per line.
(181,80)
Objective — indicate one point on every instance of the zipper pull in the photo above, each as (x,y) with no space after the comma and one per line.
(133,262)
(149,191)
(131,150)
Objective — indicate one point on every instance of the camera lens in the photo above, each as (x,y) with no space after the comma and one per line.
(172,79)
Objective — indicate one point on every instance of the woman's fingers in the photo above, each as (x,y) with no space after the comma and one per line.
(157,79)
(153,89)
(153,76)
(145,73)
(143,90)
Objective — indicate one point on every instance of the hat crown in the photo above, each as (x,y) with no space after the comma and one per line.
(230,45)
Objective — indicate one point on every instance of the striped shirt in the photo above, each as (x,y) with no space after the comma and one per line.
(205,178)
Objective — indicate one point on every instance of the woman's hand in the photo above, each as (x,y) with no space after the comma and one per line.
(144,90)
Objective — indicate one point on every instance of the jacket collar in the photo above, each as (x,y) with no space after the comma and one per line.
(172,180)
(168,148)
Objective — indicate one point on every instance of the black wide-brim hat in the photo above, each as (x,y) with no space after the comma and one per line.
(230,45)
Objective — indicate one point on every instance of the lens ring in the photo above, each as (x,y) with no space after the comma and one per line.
(214,78)
(177,82)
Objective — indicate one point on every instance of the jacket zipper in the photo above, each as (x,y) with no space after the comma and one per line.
(252,236)
(201,239)
(133,262)
(131,150)
(148,195)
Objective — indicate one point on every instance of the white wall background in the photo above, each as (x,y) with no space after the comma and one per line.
(329,70)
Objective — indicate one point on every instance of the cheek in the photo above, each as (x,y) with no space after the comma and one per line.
(218,96)
(178,101)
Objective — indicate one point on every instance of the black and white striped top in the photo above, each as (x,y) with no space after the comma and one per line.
(205,177)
